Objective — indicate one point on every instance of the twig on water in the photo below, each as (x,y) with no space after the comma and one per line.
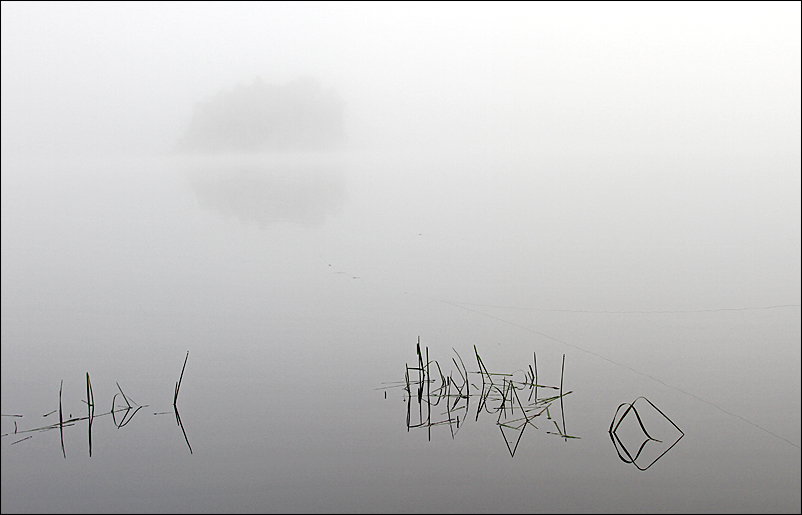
(428,395)
(178,420)
(178,384)
(535,356)
(61,419)
(90,406)
(562,411)
(123,394)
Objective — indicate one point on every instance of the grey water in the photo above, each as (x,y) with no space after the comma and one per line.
(297,316)
(604,197)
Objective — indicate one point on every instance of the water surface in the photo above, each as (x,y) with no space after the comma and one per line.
(301,285)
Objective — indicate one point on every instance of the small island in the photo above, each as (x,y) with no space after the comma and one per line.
(297,116)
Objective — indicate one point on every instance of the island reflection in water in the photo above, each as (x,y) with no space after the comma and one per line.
(268,194)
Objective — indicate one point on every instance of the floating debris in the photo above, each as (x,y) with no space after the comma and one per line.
(624,452)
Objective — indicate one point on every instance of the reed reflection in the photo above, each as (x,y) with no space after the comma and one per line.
(121,414)
(499,396)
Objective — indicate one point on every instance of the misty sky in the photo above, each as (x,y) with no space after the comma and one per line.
(715,78)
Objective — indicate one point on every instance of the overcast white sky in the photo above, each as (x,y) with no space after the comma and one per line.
(621,77)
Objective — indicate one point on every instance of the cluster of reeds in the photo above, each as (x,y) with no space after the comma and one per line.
(121,414)
(498,394)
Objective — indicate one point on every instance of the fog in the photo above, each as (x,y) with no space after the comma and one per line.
(609,77)
(296,192)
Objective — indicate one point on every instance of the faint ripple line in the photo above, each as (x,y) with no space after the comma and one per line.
(627,312)
(625,366)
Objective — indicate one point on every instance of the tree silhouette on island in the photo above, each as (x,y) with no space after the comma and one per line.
(298,115)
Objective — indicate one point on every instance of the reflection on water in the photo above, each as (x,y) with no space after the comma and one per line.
(101,270)
(266,194)
(121,414)
(493,397)
(656,425)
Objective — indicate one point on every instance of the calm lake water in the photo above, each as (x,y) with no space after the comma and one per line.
(300,286)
